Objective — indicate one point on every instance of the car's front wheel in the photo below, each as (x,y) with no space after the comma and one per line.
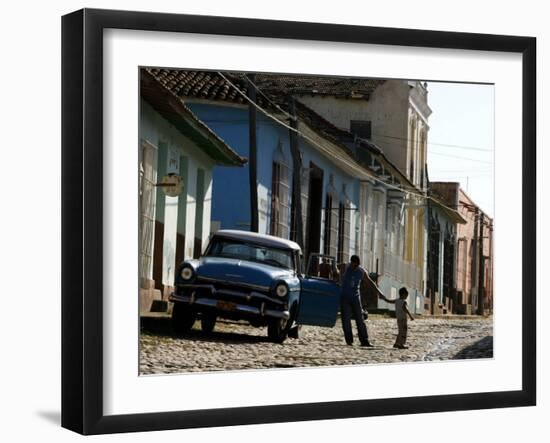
(183,318)
(277,328)
(208,321)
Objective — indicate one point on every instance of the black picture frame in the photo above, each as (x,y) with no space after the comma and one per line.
(82,215)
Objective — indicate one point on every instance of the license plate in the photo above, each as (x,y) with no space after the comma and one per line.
(226,305)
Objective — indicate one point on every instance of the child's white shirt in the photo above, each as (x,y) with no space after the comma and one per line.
(400,305)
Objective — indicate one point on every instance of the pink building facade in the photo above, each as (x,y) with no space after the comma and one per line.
(473,253)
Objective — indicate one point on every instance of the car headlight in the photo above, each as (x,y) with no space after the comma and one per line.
(186,273)
(281,290)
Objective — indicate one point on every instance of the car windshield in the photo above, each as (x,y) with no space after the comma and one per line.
(281,258)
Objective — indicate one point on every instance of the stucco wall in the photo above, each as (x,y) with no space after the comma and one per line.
(387,109)
(466,254)
(230,189)
(445,226)
(230,201)
(174,151)
(467,250)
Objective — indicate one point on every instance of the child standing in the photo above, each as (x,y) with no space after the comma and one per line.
(401,313)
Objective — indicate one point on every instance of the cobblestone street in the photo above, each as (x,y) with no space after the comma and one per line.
(236,346)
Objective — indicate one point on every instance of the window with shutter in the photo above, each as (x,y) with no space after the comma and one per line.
(361,128)
(284,206)
(305,209)
(356,231)
(343,232)
(280,207)
(340,253)
(147,192)
(381,214)
(274,198)
(347,231)
(369,235)
(394,245)
(387,244)
(333,229)
(328,219)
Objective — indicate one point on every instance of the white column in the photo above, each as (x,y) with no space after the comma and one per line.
(169,242)
(170,222)
(191,208)
(207,208)
(362,221)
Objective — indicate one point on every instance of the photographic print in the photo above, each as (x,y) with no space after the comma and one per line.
(297,220)
(241,221)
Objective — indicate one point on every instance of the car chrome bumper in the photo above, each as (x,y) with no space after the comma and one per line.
(232,292)
(236,307)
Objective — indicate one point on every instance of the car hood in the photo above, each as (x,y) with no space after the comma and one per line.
(240,271)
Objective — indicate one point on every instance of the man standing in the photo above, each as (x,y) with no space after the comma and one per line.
(351,301)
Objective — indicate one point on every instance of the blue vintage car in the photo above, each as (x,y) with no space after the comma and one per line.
(248,276)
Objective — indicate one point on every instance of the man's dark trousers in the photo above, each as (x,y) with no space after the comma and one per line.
(351,307)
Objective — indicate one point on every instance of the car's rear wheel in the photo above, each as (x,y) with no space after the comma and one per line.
(183,318)
(208,321)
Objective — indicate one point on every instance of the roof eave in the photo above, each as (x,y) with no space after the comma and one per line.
(174,110)
(453,215)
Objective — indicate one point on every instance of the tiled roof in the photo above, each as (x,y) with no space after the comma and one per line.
(210,85)
(450,193)
(322,126)
(445,191)
(317,85)
(361,150)
(164,101)
(200,84)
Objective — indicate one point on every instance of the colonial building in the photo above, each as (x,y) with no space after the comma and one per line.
(379,225)
(177,156)
(327,188)
(393,115)
(443,222)
(474,251)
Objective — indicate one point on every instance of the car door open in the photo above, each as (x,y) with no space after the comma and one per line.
(320,292)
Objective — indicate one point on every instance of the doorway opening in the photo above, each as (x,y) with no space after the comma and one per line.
(315,206)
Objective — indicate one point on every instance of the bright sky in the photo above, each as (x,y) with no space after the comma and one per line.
(461,138)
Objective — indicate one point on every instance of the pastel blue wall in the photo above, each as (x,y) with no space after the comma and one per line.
(340,178)
(230,192)
(230,189)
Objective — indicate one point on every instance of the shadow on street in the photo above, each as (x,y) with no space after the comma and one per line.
(480,349)
(162,327)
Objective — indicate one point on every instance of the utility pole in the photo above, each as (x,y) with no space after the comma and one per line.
(252,155)
(296,231)
(481,272)
(431,269)
(475,258)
